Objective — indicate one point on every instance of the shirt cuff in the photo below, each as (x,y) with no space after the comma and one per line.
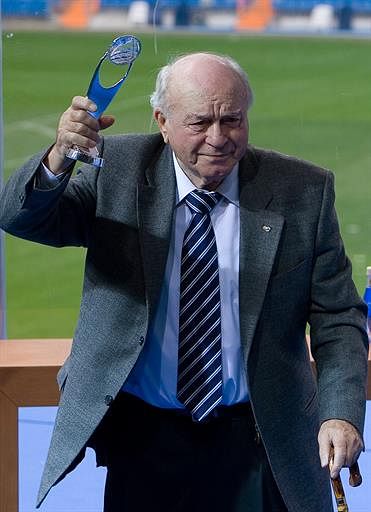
(45,179)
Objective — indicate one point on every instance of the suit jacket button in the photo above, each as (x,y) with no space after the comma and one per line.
(266,228)
(108,399)
(141,340)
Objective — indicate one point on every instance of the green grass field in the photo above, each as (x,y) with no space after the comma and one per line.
(312,99)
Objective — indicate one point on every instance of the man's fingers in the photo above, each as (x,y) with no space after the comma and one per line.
(80,117)
(324,451)
(83,103)
(77,126)
(338,461)
(339,441)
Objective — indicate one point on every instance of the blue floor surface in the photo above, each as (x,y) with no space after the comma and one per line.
(82,490)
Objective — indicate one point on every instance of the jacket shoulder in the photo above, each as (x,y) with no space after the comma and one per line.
(288,165)
(139,148)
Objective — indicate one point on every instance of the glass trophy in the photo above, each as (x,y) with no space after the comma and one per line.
(122,51)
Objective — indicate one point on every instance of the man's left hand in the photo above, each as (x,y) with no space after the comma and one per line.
(344,439)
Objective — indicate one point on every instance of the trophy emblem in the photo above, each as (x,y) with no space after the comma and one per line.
(122,51)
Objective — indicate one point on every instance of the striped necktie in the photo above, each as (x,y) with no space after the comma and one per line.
(199,355)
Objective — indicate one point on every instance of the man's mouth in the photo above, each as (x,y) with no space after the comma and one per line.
(223,155)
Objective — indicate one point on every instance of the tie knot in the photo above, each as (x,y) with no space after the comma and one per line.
(201,201)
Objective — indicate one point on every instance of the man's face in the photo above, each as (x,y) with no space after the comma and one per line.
(207,125)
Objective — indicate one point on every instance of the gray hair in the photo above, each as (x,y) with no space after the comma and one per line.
(158,98)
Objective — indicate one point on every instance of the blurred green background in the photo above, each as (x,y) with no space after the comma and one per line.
(312,99)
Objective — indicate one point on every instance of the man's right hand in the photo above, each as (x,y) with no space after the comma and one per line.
(76,128)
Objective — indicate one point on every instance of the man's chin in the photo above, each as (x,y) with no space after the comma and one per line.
(219,168)
(208,172)
(214,176)
(223,162)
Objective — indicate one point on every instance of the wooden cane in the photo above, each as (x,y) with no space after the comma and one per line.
(339,494)
(355,479)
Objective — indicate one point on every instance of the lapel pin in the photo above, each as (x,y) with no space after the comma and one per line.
(266,228)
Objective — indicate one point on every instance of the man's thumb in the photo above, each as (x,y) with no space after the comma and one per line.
(106,122)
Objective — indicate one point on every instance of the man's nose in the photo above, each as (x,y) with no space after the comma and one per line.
(215,135)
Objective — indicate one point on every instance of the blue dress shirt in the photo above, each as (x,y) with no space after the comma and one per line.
(154,377)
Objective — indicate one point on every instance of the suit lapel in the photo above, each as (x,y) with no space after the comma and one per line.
(156,203)
(260,233)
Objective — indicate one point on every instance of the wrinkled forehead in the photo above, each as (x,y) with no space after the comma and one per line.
(205,81)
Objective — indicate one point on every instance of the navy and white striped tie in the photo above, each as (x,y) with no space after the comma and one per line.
(200,356)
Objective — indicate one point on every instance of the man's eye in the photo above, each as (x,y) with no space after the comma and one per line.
(232,121)
(198,125)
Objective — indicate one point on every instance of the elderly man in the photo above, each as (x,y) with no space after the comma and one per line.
(206,258)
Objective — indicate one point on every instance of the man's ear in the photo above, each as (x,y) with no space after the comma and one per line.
(161,121)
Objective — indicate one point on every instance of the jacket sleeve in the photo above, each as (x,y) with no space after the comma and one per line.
(56,216)
(337,320)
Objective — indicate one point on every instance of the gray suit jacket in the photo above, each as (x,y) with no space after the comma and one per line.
(293,270)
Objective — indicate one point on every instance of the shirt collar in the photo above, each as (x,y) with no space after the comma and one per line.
(228,187)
